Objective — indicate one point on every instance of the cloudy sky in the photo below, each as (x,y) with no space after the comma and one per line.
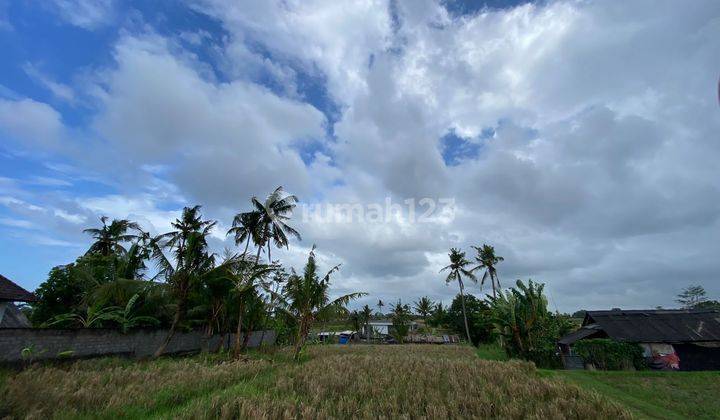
(580,138)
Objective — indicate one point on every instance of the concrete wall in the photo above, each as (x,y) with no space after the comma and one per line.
(47,343)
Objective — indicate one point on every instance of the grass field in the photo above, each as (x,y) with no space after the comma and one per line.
(647,394)
(331,382)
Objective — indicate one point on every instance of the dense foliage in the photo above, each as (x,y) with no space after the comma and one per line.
(479,317)
(607,354)
(527,329)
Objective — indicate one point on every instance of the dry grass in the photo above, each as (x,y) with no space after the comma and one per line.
(333,382)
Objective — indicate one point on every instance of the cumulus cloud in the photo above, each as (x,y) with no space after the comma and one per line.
(593,127)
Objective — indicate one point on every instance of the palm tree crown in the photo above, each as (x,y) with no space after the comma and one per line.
(109,238)
(273,215)
(487,260)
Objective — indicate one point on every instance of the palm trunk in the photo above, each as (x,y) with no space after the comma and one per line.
(467,329)
(179,312)
(238,343)
(247,243)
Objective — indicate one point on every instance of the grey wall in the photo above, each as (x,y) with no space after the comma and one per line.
(47,343)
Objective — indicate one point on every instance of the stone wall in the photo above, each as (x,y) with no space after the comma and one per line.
(78,343)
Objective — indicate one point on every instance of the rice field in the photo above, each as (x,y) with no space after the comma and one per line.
(412,381)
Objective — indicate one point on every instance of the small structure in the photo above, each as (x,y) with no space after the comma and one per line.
(671,338)
(10,314)
(343,337)
(384,326)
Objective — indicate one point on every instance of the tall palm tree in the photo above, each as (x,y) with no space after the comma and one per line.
(109,238)
(380,305)
(306,299)
(424,307)
(487,260)
(457,265)
(190,260)
(273,215)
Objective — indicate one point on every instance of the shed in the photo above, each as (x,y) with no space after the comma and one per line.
(693,336)
(10,314)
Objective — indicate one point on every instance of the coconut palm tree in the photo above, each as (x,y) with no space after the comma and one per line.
(487,260)
(273,215)
(457,269)
(109,238)
(245,227)
(246,276)
(424,307)
(380,305)
(190,260)
(306,299)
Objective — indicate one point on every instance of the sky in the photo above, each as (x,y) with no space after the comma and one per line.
(580,138)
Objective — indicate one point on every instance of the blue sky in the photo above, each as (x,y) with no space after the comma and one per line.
(569,162)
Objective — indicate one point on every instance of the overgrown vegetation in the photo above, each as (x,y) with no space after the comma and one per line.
(330,382)
(607,354)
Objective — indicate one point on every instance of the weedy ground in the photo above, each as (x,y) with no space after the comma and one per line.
(647,394)
(411,381)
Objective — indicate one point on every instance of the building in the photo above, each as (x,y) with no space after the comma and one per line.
(383,327)
(671,338)
(10,314)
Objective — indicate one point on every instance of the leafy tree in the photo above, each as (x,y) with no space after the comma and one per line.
(306,299)
(190,260)
(439,315)
(479,318)
(527,329)
(62,291)
(487,260)
(424,307)
(457,269)
(401,321)
(109,238)
(692,296)
(579,314)
(708,305)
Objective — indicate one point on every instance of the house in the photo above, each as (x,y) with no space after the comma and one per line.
(384,326)
(671,338)
(10,314)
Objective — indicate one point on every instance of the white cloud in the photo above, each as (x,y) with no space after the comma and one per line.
(599,176)
(61,91)
(30,122)
(86,14)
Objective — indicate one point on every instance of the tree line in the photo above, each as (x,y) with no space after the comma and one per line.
(129,278)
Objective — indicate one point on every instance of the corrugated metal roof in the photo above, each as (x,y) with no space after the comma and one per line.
(10,291)
(671,325)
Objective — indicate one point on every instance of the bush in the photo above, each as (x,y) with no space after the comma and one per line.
(607,354)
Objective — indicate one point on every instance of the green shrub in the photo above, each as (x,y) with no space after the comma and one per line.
(607,354)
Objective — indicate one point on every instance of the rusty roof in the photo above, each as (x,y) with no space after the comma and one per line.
(10,291)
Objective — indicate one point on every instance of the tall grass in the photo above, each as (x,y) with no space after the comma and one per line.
(332,382)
